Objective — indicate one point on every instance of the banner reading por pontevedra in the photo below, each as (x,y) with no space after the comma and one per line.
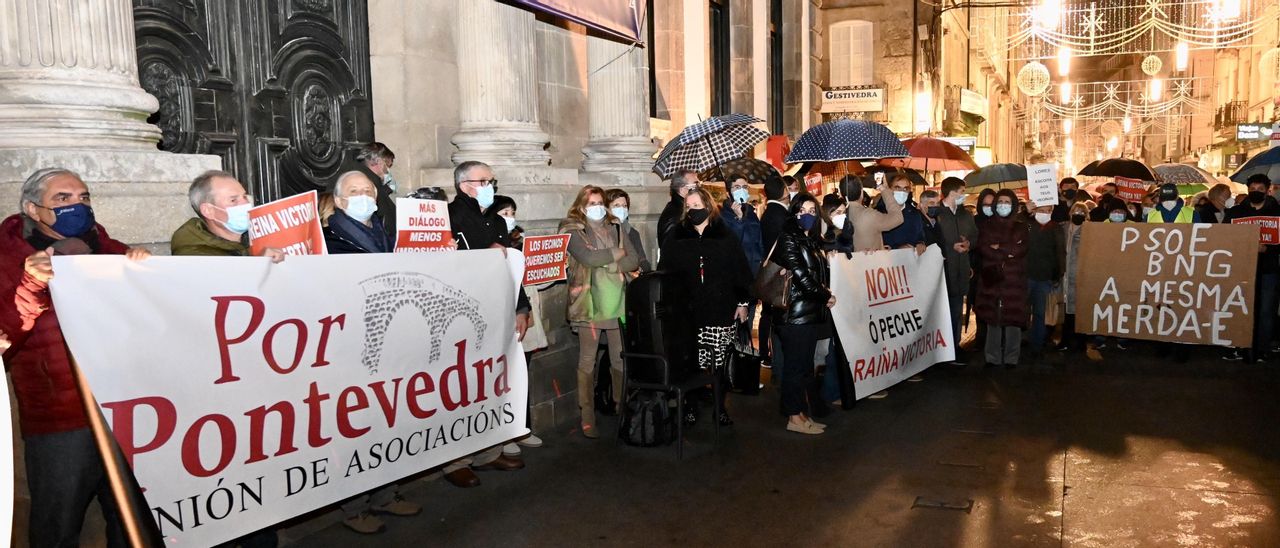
(244,393)
(892,315)
(1168,282)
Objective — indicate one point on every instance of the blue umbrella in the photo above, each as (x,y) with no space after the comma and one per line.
(708,143)
(841,140)
(1267,163)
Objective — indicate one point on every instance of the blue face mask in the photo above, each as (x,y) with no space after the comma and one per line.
(986,210)
(71,221)
(484,195)
(361,208)
(596,212)
(1004,210)
(237,218)
(390,181)
(807,221)
(621,213)
(741,195)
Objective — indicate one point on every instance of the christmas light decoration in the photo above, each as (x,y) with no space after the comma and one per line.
(1181,54)
(1033,78)
(1064,61)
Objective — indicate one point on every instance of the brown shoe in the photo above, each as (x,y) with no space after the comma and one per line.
(463,477)
(503,463)
(364,523)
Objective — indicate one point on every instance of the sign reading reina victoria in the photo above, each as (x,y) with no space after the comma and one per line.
(852,100)
(243,393)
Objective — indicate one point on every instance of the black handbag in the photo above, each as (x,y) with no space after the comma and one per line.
(744,363)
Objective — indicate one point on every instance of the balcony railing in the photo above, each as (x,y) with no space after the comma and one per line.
(1230,114)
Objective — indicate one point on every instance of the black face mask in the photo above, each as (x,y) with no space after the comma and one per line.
(1069,194)
(932,212)
(1257,197)
(698,216)
(1077,219)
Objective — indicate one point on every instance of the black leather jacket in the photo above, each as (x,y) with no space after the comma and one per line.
(801,255)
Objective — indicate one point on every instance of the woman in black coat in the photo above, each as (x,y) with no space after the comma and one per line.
(707,258)
(807,317)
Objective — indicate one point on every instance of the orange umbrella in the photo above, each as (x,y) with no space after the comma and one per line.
(930,154)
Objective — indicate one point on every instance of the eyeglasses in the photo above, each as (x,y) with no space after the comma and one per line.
(483,182)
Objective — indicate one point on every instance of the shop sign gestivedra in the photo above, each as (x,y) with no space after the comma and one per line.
(869,99)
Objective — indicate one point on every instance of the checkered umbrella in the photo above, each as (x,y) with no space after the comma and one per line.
(846,140)
(753,170)
(708,143)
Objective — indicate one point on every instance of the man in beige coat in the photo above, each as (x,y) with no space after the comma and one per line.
(869,224)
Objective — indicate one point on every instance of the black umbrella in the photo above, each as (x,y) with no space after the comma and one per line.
(753,170)
(1087,170)
(869,180)
(996,174)
(1123,167)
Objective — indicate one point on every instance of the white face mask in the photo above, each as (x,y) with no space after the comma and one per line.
(960,199)
(1169,204)
(621,213)
(390,181)
(1043,218)
(361,208)
(901,196)
(1231,202)
(511,223)
(596,212)
(792,195)
(838,220)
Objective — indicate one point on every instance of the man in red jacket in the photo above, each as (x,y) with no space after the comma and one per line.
(64,468)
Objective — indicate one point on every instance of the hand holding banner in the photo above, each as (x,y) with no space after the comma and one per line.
(422,225)
(289,224)
(1042,184)
(813,184)
(1268,228)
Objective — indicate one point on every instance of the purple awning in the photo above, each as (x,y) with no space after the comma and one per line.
(621,18)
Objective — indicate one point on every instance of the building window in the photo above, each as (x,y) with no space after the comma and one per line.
(720,73)
(650,44)
(775,67)
(852,54)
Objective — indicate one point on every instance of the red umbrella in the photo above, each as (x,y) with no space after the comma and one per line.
(930,154)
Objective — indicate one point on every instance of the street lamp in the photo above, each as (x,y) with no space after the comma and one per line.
(1048,14)
(924,110)
(1181,54)
(1112,143)
(1064,60)
(1067,123)
(1157,89)
(1128,124)
(1064,92)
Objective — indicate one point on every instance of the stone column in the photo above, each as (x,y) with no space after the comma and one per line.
(498,86)
(619,109)
(69,76)
(69,97)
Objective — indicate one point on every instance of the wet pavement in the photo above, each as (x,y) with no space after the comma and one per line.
(1133,451)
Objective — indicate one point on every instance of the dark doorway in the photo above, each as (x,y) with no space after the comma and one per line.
(278,88)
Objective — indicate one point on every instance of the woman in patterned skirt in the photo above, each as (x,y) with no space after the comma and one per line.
(706,256)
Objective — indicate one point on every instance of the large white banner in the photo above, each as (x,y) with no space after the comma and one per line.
(244,393)
(891,314)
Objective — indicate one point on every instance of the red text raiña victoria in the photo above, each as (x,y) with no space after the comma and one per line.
(352,409)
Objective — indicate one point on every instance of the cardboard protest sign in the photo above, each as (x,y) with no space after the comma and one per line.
(891,314)
(1187,283)
(1268,228)
(296,391)
(1042,184)
(1130,190)
(422,225)
(545,258)
(290,224)
(813,184)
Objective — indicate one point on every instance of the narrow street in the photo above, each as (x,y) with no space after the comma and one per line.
(1130,452)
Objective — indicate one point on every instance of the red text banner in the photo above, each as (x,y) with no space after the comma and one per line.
(1268,228)
(1130,190)
(243,393)
(891,314)
(1187,283)
(545,258)
(290,224)
(422,225)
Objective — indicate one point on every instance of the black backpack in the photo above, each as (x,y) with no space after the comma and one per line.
(649,421)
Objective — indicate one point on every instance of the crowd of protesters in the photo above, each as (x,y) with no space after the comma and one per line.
(1007,261)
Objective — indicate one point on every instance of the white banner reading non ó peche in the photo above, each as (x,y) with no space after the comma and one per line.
(891,314)
(244,393)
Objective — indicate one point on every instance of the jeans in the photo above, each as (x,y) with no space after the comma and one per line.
(64,474)
(1039,295)
(798,345)
(831,380)
(1264,317)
